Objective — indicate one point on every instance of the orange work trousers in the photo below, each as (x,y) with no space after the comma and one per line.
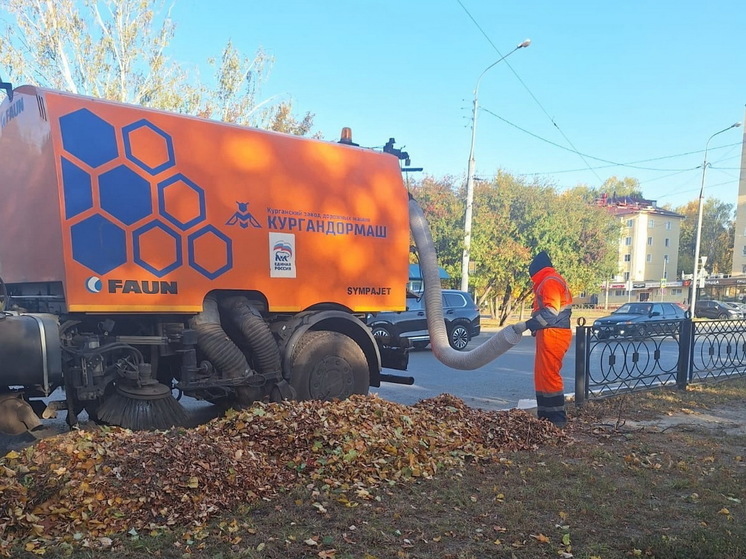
(551,346)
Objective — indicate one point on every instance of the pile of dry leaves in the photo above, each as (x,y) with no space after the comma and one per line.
(108,481)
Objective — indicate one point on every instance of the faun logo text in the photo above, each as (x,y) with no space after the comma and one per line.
(145,287)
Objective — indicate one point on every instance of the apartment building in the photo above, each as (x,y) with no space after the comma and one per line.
(648,253)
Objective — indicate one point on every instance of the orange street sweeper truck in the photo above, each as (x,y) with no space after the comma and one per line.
(145,254)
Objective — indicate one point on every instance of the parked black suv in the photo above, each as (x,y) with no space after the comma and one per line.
(460,313)
(715,309)
(639,320)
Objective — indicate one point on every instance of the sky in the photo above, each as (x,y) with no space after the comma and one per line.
(626,89)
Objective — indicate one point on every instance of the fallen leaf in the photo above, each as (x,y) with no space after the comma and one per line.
(109,481)
(540,538)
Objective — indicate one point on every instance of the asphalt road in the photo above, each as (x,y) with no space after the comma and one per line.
(505,383)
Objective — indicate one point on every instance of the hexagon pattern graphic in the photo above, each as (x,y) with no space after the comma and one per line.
(76,186)
(157,248)
(181,202)
(99,244)
(210,252)
(149,147)
(88,137)
(124,195)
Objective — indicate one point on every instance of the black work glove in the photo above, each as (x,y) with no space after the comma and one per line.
(533,325)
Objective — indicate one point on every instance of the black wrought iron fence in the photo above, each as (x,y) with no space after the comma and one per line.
(676,352)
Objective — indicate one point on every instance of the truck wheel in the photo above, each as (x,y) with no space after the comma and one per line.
(327,365)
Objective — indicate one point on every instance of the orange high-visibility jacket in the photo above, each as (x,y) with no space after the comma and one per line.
(552,301)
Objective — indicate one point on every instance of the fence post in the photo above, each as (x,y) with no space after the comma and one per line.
(581,368)
(686,346)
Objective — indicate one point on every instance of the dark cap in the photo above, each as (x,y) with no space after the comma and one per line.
(539,262)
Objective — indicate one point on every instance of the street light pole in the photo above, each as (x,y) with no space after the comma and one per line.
(470,173)
(695,275)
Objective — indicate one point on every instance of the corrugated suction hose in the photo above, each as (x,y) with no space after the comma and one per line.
(498,344)
(215,343)
(255,332)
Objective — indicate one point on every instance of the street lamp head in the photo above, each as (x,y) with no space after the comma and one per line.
(736,125)
(524,44)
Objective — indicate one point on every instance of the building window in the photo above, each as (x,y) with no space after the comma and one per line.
(626,276)
(743,269)
(628,242)
(649,258)
(676,292)
(630,223)
(651,223)
(650,241)
(627,257)
(668,226)
(667,242)
(620,293)
(744,250)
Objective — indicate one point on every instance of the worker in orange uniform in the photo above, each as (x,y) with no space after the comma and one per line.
(550,323)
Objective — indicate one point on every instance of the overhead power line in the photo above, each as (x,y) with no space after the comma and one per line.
(538,103)
(630,164)
(585,155)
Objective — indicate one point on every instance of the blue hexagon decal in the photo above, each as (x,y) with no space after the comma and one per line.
(76,185)
(88,137)
(125,195)
(181,202)
(210,252)
(149,147)
(99,244)
(157,248)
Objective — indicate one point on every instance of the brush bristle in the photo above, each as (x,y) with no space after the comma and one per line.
(142,415)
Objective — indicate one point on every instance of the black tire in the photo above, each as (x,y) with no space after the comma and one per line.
(458,337)
(641,331)
(723,315)
(383,334)
(328,365)
(420,345)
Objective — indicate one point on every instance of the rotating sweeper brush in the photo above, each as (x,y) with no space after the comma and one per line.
(142,404)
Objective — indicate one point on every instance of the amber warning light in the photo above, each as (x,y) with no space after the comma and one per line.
(346,136)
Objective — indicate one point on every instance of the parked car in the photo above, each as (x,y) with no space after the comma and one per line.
(459,310)
(738,307)
(639,319)
(716,309)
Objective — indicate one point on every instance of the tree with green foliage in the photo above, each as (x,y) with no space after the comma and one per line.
(513,220)
(718,231)
(614,186)
(117,49)
(444,210)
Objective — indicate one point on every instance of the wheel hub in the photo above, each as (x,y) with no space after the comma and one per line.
(331,378)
